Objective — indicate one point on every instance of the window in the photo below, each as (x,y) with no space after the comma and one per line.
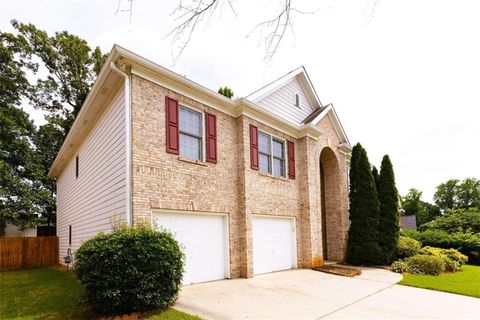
(76,167)
(264,152)
(271,152)
(69,235)
(191,134)
(278,158)
(296,100)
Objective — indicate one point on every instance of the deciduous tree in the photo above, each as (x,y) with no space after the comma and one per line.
(69,67)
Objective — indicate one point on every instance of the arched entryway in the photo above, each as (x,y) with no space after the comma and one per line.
(331,226)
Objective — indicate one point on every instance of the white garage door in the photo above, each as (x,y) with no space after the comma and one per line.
(274,244)
(205,243)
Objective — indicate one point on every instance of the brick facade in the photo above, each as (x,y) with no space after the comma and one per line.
(165,181)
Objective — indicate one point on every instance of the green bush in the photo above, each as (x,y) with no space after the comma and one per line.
(453,258)
(466,243)
(399,266)
(425,264)
(130,269)
(459,220)
(407,247)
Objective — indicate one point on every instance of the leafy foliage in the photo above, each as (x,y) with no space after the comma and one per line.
(27,194)
(425,264)
(24,200)
(399,266)
(388,224)
(468,244)
(456,194)
(130,269)
(72,67)
(458,220)
(452,257)
(375,176)
(226,91)
(407,247)
(363,248)
(413,205)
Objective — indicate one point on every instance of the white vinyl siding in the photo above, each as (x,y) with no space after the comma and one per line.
(91,202)
(282,103)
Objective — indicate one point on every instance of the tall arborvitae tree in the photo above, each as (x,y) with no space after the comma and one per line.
(388,198)
(363,248)
(375,176)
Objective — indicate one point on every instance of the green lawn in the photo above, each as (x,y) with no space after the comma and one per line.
(466,281)
(52,294)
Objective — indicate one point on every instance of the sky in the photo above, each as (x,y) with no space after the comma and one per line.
(403,76)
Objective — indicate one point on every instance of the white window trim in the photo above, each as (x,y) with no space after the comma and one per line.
(204,132)
(284,141)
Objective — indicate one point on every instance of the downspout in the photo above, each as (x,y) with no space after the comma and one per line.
(128,137)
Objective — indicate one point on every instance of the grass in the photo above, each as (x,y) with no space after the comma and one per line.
(465,282)
(52,294)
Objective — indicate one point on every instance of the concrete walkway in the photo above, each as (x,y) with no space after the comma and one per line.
(307,294)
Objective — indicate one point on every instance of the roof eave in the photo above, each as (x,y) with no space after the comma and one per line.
(102,76)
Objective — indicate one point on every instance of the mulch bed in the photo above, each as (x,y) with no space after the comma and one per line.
(339,271)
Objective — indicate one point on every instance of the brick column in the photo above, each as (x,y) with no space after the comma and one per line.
(309,203)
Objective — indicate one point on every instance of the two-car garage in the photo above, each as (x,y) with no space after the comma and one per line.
(205,241)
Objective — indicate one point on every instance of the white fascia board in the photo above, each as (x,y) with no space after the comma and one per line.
(339,126)
(224,105)
(321,115)
(332,115)
(274,85)
(235,108)
(150,68)
(82,114)
(311,88)
(251,110)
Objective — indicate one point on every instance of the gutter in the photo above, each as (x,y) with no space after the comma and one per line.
(128,144)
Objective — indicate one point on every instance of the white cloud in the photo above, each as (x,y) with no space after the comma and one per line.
(404,83)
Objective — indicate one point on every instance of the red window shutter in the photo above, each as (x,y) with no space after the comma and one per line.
(211,128)
(253,147)
(291,159)
(171,110)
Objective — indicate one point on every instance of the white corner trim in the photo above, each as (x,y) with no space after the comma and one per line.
(128,142)
(321,115)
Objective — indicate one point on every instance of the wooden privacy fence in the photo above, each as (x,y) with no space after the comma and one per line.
(28,252)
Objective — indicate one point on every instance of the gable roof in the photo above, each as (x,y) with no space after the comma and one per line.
(329,111)
(301,75)
(132,63)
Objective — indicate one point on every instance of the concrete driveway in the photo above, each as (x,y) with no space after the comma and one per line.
(307,294)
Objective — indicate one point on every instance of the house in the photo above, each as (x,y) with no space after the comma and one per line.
(248,186)
(408,222)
